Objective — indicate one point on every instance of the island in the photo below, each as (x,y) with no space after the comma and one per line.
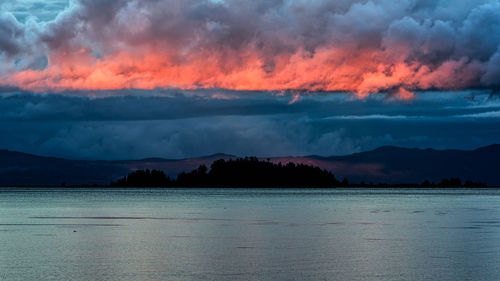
(251,172)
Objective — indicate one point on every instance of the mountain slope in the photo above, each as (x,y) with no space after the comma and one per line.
(405,165)
(21,169)
(385,164)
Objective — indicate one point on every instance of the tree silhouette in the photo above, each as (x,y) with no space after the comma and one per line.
(252,172)
(144,178)
(242,172)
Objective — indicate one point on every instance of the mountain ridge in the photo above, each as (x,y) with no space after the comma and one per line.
(388,164)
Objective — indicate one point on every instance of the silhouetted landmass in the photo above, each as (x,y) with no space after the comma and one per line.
(252,172)
(242,172)
(144,178)
(23,169)
(395,165)
(391,165)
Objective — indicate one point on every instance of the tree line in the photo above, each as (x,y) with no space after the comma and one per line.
(252,172)
(241,172)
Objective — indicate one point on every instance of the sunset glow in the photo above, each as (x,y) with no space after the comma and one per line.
(358,47)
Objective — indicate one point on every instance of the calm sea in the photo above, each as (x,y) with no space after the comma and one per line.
(249,234)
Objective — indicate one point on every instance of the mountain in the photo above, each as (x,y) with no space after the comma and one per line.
(385,164)
(411,165)
(22,169)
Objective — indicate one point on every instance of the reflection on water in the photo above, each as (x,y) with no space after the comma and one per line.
(244,234)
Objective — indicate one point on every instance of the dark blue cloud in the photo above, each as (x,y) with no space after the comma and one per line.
(177,124)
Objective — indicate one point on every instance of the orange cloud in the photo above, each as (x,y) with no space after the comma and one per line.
(357,46)
(327,70)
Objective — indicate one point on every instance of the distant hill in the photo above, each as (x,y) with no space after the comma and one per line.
(385,164)
(411,165)
(21,169)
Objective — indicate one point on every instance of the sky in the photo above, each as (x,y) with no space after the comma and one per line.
(112,79)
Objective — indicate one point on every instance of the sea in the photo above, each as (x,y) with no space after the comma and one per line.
(249,234)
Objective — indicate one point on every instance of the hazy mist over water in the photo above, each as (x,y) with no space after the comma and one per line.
(249,234)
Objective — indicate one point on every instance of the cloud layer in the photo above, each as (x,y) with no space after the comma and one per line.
(178,124)
(349,45)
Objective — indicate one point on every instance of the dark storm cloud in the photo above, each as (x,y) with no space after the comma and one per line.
(12,34)
(136,105)
(178,124)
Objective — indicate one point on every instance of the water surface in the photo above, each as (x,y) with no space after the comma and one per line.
(249,234)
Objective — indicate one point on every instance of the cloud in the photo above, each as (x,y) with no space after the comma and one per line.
(41,10)
(12,34)
(354,46)
(492,72)
(487,114)
(178,124)
(237,135)
(138,105)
